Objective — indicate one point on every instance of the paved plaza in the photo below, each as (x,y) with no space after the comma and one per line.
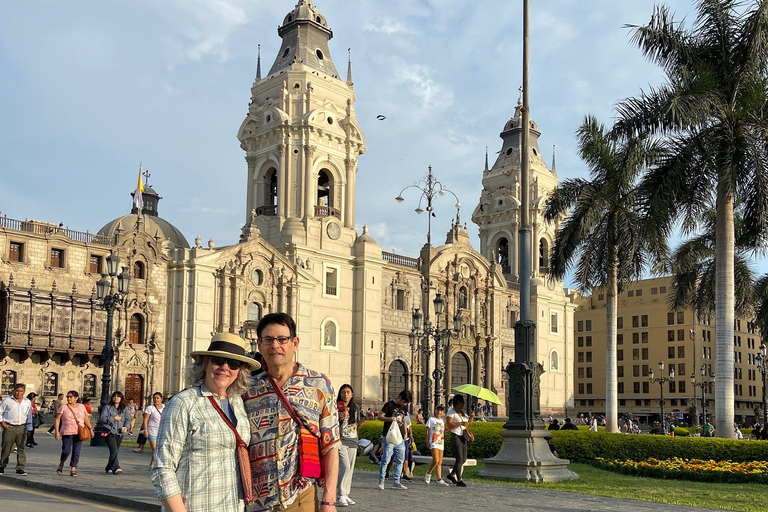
(133,488)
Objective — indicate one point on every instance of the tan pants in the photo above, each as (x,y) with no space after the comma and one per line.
(306,502)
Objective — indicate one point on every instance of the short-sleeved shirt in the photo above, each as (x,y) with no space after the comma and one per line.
(436,429)
(71,417)
(392,410)
(274,446)
(348,428)
(456,418)
(132,409)
(154,419)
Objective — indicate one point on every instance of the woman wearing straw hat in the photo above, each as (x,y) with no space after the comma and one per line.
(201,461)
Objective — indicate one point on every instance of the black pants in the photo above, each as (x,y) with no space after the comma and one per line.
(113,443)
(31,438)
(459,445)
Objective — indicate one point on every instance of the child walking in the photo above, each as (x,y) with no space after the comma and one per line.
(435,440)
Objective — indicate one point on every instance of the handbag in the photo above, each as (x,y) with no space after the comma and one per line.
(470,436)
(394,436)
(83,432)
(310,463)
(241,452)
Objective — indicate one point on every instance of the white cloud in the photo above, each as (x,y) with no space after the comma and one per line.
(433,95)
(385,25)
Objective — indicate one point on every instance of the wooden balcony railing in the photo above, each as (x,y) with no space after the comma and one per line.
(45,228)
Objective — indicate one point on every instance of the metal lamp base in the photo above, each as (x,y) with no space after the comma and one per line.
(525,457)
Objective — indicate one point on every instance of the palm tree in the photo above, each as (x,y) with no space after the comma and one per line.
(604,231)
(712,111)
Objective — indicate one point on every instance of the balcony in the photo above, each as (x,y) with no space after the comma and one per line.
(398,259)
(45,228)
(267,211)
(327,211)
(330,290)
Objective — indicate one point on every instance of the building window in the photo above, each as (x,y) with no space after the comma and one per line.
(138,270)
(16,252)
(645,370)
(89,385)
(646,387)
(620,322)
(635,354)
(620,371)
(9,380)
(635,321)
(589,341)
(94,265)
(671,352)
(400,300)
(580,326)
(330,335)
(580,357)
(57,258)
(635,370)
(619,355)
(51,384)
(600,296)
(581,372)
(631,293)
(589,372)
(553,322)
(644,320)
(136,333)
(258,277)
(672,387)
(636,387)
(662,289)
(670,318)
(589,388)
(581,388)
(619,339)
(580,341)
(681,352)
(254,311)
(654,291)
(638,293)
(331,285)
(681,335)
(644,337)
(589,325)
(644,354)
(620,388)
(681,387)
(543,255)
(670,335)
(589,357)
(681,317)
(635,337)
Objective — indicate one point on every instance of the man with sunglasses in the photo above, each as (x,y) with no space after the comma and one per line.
(285,402)
(16,419)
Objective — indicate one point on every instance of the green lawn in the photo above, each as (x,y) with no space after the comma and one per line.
(741,497)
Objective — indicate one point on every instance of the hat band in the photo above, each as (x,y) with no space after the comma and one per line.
(223,346)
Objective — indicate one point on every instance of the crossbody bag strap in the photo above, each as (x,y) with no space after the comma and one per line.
(229,423)
(287,405)
(243,458)
(74,415)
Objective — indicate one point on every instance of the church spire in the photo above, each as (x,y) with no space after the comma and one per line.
(258,64)
(349,65)
(553,158)
(486,159)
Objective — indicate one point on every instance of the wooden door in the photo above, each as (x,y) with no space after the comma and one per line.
(134,388)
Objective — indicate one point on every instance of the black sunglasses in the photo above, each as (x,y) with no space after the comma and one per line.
(232,363)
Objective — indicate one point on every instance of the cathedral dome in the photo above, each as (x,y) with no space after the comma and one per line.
(305,11)
(365,237)
(151,223)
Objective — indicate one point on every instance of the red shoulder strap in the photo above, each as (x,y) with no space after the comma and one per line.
(240,441)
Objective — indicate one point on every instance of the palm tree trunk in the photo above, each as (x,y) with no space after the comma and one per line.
(724,307)
(611,386)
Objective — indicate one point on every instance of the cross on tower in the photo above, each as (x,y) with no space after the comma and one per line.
(146,176)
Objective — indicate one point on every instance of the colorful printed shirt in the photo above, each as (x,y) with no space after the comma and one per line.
(274,446)
(436,429)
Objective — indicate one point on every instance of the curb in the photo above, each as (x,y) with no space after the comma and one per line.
(63,490)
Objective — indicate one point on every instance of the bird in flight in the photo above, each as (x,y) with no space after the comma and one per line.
(381,117)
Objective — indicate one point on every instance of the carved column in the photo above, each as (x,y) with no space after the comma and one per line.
(252,195)
(282,181)
(349,200)
(310,182)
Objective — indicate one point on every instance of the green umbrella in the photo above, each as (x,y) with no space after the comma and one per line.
(481,393)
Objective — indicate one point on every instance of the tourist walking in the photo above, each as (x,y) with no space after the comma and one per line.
(68,419)
(55,406)
(291,408)
(350,418)
(16,419)
(436,445)
(152,415)
(393,415)
(202,460)
(117,419)
(133,412)
(456,421)
(32,397)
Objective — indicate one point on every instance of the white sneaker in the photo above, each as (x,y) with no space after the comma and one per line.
(341,502)
(399,487)
(349,500)
(443,482)
(427,478)
(381,484)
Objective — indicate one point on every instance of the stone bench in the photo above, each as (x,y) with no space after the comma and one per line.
(448,462)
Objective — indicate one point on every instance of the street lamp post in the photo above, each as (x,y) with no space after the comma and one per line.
(419,339)
(431,188)
(110,300)
(694,412)
(762,365)
(703,385)
(662,380)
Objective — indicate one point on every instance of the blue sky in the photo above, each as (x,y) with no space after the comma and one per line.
(91,88)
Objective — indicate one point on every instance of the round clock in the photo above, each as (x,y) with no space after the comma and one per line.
(333,230)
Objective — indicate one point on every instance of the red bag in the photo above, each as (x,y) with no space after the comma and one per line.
(310,461)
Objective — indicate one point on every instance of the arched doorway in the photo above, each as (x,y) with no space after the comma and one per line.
(398,379)
(134,388)
(460,371)
(502,255)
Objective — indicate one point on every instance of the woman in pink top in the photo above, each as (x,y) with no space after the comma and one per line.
(68,418)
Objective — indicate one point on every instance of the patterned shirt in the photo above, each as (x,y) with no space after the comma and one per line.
(196,453)
(274,450)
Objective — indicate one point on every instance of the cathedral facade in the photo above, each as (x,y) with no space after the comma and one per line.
(299,252)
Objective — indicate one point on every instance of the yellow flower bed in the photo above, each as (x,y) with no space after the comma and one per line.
(693,469)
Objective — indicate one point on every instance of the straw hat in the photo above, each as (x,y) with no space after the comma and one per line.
(231,346)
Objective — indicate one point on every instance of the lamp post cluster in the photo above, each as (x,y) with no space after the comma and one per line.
(110,299)
(762,365)
(419,338)
(704,386)
(662,379)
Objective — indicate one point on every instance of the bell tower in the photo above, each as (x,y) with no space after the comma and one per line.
(302,141)
(497,214)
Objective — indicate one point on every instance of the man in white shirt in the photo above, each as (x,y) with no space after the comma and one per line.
(16,419)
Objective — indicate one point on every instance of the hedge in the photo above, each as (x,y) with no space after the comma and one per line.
(581,446)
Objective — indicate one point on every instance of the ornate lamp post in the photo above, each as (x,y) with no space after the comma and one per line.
(762,365)
(419,339)
(662,380)
(703,385)
(110,300)
(430,189)
(248,331)
(694,412)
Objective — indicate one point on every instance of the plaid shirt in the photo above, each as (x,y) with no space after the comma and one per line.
(196,453)
(274,450)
